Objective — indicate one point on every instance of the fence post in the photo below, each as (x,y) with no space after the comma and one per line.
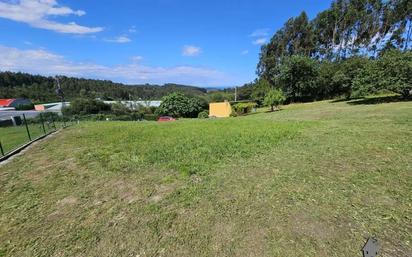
(42,123)
(54,124)
(64,120)
(27,127)
(1,149)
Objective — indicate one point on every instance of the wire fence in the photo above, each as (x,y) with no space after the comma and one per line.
(18,128)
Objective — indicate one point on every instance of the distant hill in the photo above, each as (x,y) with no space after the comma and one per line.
(42,89)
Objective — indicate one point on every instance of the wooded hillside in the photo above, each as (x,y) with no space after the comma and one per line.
(42,89)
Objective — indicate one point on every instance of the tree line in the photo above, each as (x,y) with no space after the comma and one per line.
(42,89)
(353,48)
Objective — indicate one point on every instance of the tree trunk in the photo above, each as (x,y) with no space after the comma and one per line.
(408,35)
(272,108)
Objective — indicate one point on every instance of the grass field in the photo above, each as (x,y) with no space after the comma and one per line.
(311,180)
(13,137)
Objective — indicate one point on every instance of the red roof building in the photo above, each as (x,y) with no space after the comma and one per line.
(14,102)
(5,102)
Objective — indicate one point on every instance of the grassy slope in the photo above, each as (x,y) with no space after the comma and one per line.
(311,180)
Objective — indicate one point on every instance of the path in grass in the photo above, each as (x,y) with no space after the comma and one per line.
(311,180)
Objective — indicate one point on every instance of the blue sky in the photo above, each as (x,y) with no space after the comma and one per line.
(202,43)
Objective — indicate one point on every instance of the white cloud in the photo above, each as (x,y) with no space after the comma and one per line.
(37,13)
(260,41)
(136,58)
(244,52)
(120,39)
(189,50)
(40,61)
(260,33)
(132,29)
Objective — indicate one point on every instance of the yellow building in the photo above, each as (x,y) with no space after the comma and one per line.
(220,110)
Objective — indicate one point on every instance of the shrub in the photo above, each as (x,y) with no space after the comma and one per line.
(119,109)
(86,106)
(391,72)
(152,117)
(51,116)
(178,105)
(348,70)
(203,115)
(243,108)
(274,98)
(261,87)
(23,107)
(219,96)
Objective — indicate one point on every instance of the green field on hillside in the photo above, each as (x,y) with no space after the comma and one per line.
(313,179)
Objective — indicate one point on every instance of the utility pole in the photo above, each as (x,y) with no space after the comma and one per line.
(235,93)
(60,93)
(59,90)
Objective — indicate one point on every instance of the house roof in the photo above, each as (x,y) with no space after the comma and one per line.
(6,102)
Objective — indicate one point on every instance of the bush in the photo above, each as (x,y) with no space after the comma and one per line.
(391,72)
(86,106)
(348,70)
(24,107)
(260,89)
(243,108)
(178,105)
(45,117)
(219,96)
(97,110)
(119,109)
(274,98)
(51,116)
(152,117)
(203,115)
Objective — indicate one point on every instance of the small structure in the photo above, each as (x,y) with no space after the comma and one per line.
(371,248)
(134,105)
(53,107)
(220,110)
(14,102)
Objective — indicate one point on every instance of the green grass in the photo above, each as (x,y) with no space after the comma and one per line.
(311,180)
(13,137)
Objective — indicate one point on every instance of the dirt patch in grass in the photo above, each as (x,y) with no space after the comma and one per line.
(125,191)
(116,189)
(304,224)
(162,192)
(254,242)
(69,200)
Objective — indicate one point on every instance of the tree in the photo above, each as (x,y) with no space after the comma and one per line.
(396,70)
(348,69)
(42,89)
(219,96)
(297,78)
(391,72)
(178,105)
(348,28)
(86,106)
(260,89)
(324,81)
(274,98)
(296,37)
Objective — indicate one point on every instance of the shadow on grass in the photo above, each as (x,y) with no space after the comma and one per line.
(379,100)
(339,100)
(274,111)
(247,114)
